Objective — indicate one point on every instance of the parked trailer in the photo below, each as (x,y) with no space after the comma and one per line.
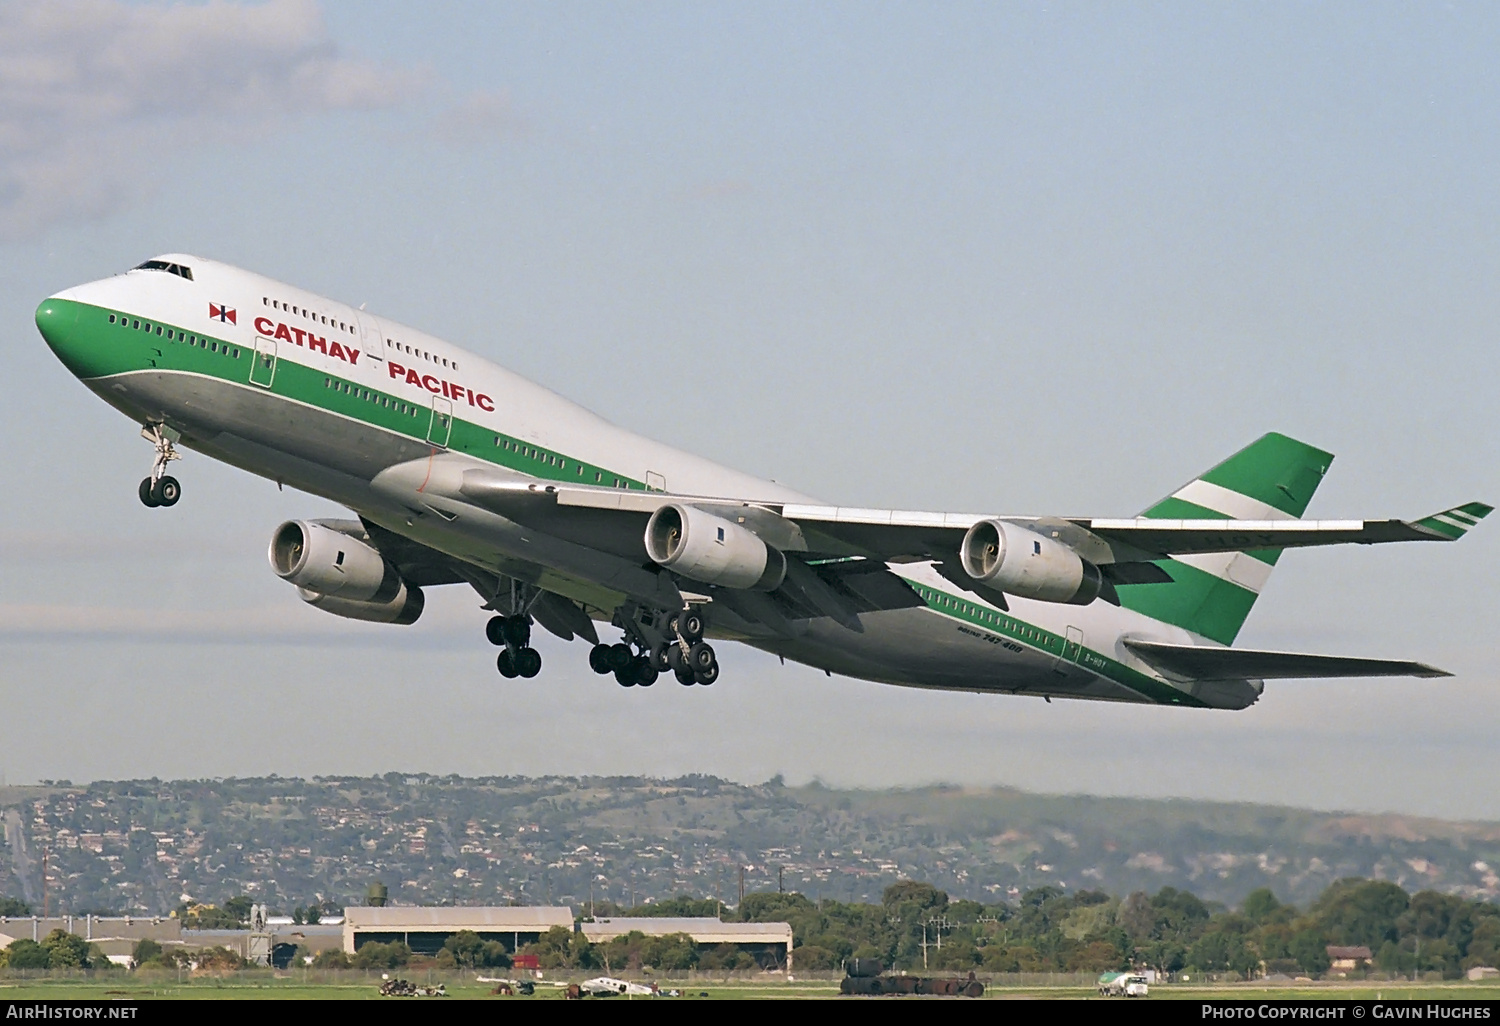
(870,983)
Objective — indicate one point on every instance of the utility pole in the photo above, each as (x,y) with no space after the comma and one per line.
(742,886)
(778,879)
(47,895)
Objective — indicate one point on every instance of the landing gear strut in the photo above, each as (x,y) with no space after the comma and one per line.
(691,658)
(159,489)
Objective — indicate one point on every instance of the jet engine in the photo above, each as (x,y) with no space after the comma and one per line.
(1028,565)
(337,571)
(708,548)
(403,609)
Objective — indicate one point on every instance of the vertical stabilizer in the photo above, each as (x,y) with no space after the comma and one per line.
(1272,478)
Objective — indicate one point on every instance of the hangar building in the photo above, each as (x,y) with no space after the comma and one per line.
(425,929)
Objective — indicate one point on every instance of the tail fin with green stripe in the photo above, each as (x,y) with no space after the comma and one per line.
(1273,478)
(1455,523)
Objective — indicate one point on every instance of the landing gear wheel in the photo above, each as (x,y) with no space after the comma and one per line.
(506,665)
(495,630)
(620,657)
(166,491)
(645,673)
(626,677)
(685,677)
(660,654)
(700,657)
(515,630)
(599,660)
(708,676)
(676,661)
(690,626)
(146,493)
(528,662)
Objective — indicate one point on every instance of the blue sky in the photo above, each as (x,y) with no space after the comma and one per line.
(1023,258)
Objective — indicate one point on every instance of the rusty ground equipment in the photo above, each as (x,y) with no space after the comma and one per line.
(405,988)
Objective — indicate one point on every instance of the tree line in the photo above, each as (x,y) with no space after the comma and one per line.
(917,925)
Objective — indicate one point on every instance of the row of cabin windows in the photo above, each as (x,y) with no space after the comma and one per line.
(302,311)
(181,270)
(402,347)
(551,460)
(372,397)
(173,335)
(984,615)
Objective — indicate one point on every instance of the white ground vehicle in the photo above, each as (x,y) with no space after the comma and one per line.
(1122,985)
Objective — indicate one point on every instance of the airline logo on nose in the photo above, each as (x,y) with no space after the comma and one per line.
(221,313)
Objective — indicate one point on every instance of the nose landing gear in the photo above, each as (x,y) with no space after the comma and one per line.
(159,489)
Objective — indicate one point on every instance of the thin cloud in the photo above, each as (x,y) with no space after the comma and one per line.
(480,118)
(721,189)
(291,622)
(92,90)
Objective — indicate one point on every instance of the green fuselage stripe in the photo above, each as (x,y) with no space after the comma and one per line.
(1020,632)
(134,344)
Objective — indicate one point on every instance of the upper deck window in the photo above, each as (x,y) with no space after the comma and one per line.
(181,270)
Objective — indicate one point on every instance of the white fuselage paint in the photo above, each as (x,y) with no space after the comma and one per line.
(920,647)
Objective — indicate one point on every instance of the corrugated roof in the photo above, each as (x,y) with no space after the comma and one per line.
(703,929)
(480,919)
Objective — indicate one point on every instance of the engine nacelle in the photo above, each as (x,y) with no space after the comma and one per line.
(713,550)
(404,608)
(322,559)
(1027,564)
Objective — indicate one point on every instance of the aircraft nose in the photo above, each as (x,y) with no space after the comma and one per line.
(56,319)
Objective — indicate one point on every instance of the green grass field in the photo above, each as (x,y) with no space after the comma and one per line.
(263,986)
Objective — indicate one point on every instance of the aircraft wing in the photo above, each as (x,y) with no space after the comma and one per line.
(1103,541)
(1201,662)
(916,536)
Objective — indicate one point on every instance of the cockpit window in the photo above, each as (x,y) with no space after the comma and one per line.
(181,270)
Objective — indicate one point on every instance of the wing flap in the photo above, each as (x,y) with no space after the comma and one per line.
(1200,662)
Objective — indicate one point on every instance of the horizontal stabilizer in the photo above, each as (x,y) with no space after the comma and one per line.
(1201,662)
(1455,523)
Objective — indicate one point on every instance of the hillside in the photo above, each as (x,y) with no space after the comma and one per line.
(149,846)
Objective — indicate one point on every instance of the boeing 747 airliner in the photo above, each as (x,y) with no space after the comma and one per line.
(460,472)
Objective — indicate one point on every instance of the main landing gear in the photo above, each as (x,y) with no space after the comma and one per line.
(682,652)
(518,659)
(159,489)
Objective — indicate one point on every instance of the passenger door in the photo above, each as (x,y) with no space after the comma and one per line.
(1071,649)
(370,337)
(263,363)
(442,422)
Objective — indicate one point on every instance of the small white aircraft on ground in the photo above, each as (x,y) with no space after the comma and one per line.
(608,986)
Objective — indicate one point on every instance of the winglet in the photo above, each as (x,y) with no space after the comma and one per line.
(1453,524)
